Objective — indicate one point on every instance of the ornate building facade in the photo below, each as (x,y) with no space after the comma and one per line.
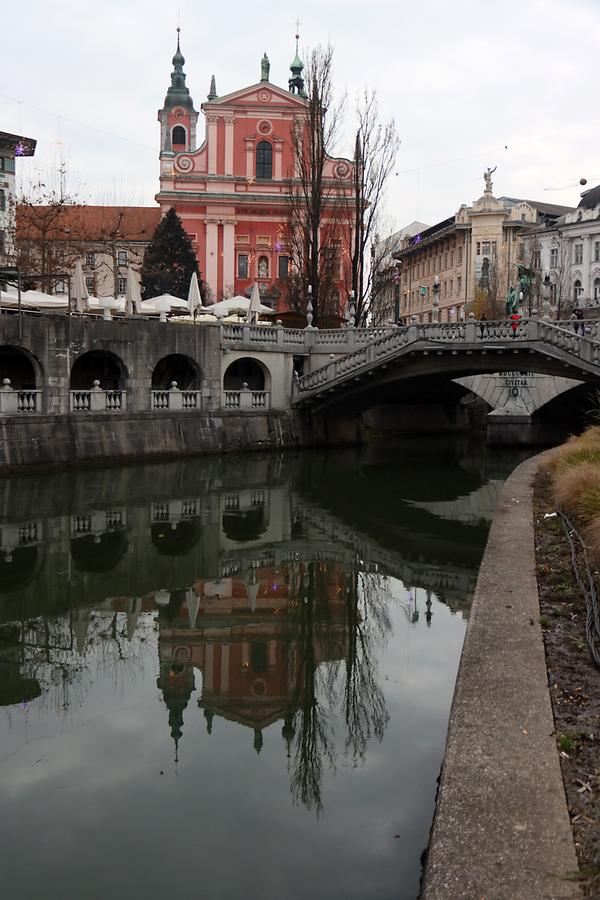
(478,249)
(233,191)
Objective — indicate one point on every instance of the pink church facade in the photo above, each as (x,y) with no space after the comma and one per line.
(232,191)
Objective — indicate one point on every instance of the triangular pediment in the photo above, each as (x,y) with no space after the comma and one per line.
(262,94)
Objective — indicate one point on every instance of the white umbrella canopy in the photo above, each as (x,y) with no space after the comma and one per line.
(164,303)
(254,306)
(194,298)
(235,305)
(79,291)
(40,300)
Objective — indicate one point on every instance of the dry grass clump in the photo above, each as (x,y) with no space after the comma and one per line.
(575,471)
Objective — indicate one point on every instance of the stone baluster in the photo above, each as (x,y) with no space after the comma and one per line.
(175,397)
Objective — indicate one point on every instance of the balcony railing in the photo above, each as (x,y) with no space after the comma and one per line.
(175,399)
(14,401)
(97,400)
(247,399)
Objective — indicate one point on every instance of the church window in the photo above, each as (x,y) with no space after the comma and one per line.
(242,265)
(577,290)
(597,290)
(284,266)
(264,160)
(179,136)
(596,251)
(578,254)
(263,267)
(554,258)
(122,257)
(121,285)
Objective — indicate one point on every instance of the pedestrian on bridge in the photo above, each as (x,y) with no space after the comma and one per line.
(514,322)
(482,323)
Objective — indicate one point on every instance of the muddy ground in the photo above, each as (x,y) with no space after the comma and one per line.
(574,684)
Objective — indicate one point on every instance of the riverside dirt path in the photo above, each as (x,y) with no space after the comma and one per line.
(501,829)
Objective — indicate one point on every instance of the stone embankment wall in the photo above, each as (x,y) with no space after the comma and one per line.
(60,441)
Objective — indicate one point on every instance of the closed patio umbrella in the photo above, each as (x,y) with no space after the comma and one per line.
(133,298)
(79,291)
(194,298)
(255,306)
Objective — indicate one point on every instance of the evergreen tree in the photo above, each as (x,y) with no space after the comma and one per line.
(169,260)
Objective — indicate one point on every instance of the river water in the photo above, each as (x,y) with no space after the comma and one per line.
(231,678)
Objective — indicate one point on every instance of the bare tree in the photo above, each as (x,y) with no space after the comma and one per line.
(313,227)
(376,148)
(48,235)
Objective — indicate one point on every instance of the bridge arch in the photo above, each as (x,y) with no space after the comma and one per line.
(176,538)
(21,367)
(98,365)
(247,370)
(176,367)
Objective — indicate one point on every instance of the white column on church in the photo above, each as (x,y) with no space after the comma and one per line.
(228,255)
(249,158)
(212,255)
(229,120)
(278,173)
(212,144)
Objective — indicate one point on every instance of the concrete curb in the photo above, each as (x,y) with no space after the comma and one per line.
(501,829)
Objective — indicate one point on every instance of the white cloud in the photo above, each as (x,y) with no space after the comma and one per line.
(462,80)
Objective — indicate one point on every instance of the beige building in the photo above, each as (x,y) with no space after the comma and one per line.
(107,239)
(467,262)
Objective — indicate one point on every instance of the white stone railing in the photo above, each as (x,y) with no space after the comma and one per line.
(175,510)
(277,335)
(14,401)
(246,399)
(98,523)
(452,334)
(175,399)
(97,400)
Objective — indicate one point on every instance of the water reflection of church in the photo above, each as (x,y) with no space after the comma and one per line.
(242,639)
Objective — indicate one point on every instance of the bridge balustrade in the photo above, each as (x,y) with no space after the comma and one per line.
(247,399)
(97,400)
(175,399)
(14,401)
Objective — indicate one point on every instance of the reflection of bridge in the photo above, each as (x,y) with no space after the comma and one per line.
(451,350)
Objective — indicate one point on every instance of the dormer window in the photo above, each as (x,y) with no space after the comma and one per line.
(178,138)
(264,161)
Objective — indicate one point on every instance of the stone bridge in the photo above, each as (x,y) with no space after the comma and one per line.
(450,351)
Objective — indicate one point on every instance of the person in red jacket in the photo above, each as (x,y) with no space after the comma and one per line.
(514,322)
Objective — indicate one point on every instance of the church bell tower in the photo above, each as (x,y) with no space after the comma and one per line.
(178,117)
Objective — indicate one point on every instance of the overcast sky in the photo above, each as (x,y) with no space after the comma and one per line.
(512,83)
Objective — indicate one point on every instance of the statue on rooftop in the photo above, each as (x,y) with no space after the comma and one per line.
(487,176)
(265,67)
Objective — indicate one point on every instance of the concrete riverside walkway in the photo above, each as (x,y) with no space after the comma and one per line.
(501,829)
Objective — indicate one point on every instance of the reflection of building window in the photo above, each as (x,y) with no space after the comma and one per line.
(90,259)
(61,287)
(578,254)
(554,258)
(263,267)
(596,251)
(242,265)
(596,289)
(577,290)
(121,285)
(2,201)
(553,293)
(122,257)
(89,283)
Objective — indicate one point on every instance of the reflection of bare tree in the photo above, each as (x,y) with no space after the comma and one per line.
(368,621)
(335,644)
(312,742)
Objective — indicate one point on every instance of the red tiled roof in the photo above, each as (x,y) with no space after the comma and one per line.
(89,223)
